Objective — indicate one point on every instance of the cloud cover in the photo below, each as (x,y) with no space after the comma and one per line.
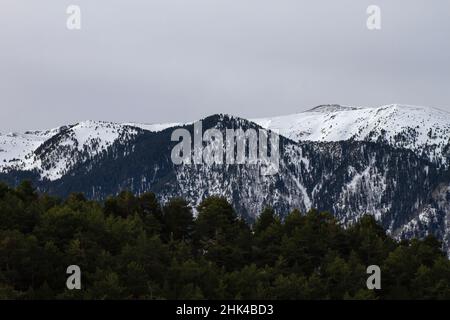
(178,60)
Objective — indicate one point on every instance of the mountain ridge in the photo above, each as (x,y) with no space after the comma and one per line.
(425,131)
(403,183)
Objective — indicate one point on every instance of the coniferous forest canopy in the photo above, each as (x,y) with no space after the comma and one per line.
(132,247)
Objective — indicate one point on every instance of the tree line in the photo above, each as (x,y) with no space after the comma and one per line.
(133,247)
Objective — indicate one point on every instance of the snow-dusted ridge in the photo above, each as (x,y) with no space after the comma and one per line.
(420,129)
(16,147)
(406,192)
(426,131)
(154,127)
(53,152)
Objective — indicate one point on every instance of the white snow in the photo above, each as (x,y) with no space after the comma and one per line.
(416,128)
(156,127)
(15,147)
(19,150)
(410,127)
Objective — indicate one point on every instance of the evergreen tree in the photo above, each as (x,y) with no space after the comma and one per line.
(178,220)
(131,248)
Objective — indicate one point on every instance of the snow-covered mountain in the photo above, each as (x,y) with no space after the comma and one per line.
(16,147)
(425,131)
(420,129)
(390,162)
(52,153)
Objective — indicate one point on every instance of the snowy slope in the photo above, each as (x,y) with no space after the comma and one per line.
(54,152)
(419,129)
(15,147)
(156,127)
(405,192)
(74,145)
(426,131)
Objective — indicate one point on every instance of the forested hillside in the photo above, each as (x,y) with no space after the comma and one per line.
(401,176)
(132,247)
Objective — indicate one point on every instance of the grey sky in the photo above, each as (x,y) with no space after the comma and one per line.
(178,60)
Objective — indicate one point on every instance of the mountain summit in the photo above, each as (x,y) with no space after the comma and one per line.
(420,129)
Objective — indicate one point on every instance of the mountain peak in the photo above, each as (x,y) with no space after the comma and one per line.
(420,129)
(326,108)
(408,107)
(329,108)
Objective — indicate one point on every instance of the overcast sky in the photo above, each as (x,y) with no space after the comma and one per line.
(178,60)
